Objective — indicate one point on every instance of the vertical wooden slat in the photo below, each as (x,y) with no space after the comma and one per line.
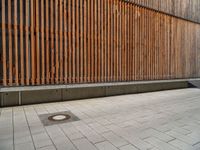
(125,43)
(42,42)
(105,26)
(92,40)
(120,41)
(86,9)
(52,49)
(16,43)
(37,40)
(81,42)
(61,40)
(100,53)
(4,42)
(33,66)
(69,42)
(95,42)
(102,45)
(27,42)
(123,39)
(21,43)
(73,40)
(105,78)
(131,44)
(10,41)
(77,48)
(57,62)
(89,41)
(65,21)
(47,41)
(109,47)
(112,42)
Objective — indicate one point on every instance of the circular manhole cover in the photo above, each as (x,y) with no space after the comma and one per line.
(59,117)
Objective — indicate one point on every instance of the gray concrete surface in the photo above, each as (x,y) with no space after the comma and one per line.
(165,120)
(39,94)
(195,83)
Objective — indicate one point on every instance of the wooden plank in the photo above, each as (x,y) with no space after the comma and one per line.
(69,41)
(95,58)
(92,40)
(103,42)
(89,41)
(114,16)
(47,25)
(81,76)
(42,42)
(52,41)
(61,41)
(33,66)
(123,43)
(99,53)
(37,40)
(127,43)
(10,42)
(112,43)
(16,44)
(4,42)
(85,31)
(131,43)
(65,21)
(120,41)
(57,62)
(73,40)
(21,31)
(109,45)
(27,31)
(77,43)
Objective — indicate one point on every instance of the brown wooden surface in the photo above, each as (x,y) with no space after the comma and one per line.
(78,41)
(187,9)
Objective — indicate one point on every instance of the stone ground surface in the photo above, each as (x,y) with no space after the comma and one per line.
(167,120)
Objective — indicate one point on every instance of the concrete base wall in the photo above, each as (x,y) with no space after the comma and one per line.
(55,95)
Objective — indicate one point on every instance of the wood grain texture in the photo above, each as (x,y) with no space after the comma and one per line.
(78,41)
(187,9)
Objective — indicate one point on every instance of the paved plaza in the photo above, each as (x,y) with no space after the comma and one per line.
(166,120)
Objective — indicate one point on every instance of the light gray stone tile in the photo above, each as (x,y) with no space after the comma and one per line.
(160,144)
(151,132)
(50,147)
(128,147)
(184,138)
(114,139)
(84,144)
(24,146)
(23,139)
(105,146)
(181,145)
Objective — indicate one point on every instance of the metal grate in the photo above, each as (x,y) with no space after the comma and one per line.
(58,118)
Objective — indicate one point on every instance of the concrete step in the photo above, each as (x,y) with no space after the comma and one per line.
(195,83)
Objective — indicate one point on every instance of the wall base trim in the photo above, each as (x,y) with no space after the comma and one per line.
(14,96)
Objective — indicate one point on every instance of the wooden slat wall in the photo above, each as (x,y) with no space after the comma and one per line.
(187,9)
(78,41)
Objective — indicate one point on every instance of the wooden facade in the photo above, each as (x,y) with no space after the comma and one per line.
(77,41)
(186,9)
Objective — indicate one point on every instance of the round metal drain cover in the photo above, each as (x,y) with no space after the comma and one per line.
(59,117)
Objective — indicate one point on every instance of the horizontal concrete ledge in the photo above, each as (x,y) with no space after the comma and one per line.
(12,96)
(71,86)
